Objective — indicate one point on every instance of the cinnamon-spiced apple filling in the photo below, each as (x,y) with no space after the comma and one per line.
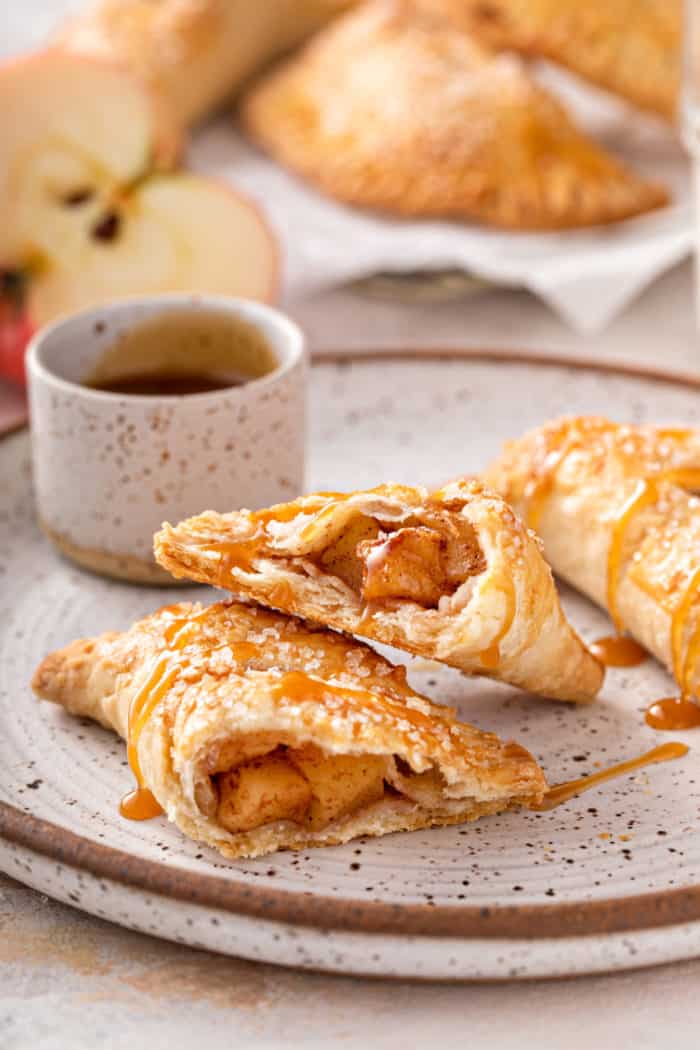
(312,788)
(451,575)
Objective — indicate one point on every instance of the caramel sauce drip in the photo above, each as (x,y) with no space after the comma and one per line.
(234,555)
(297,687)
(365,623)
(621,651)
(618,651)
(240,554)
(645,493)
(491,656)
(539,488)
(141,804)
(561,793)
(672,714)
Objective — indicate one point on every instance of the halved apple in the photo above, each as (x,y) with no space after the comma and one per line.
(170,233)
(73,130)
(85,213)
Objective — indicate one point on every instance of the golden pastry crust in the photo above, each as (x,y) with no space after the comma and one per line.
(453,576)
(576,480)
(266,714)
(195,53)
(630,47)
(425,123)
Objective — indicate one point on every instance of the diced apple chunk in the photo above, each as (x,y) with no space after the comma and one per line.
(341,558)
(341,784)
(261,792)
(408,563)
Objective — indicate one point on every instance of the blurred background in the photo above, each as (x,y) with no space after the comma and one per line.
(401,161)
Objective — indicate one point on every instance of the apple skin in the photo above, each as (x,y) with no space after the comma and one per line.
(16,330)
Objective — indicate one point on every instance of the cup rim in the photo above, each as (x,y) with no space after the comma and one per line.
(246,309)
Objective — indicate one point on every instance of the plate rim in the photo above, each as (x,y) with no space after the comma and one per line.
(530,922)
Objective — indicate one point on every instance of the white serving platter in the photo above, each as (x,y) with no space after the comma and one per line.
(609,881)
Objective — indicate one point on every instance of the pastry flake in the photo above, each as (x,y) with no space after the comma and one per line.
(630,47)
(452,576)
(255,732)
(616,511)
(394,109)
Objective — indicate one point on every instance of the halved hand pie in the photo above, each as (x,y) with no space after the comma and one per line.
(257,733)
(612,506)
(453,576)
(393,108)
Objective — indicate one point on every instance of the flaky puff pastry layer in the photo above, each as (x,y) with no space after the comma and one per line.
(394,109)
(630,47)
(264,716)
(614,509)
(452,576)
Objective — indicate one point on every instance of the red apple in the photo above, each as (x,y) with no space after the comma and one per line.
(15,332)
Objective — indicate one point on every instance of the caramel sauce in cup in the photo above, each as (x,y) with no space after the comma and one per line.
(149,410)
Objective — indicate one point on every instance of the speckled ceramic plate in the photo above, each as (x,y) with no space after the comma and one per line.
(609,881)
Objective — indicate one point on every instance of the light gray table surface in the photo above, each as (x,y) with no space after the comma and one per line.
(70,981)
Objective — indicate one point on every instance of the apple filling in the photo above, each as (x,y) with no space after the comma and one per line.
(312,788)
(420,561)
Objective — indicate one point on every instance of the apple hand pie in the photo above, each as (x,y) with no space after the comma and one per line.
(452,576)
(613,507)
(391,108)
(630,47)
(256,733)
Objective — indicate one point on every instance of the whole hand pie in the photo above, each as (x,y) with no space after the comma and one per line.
(453,576)
(392,108)
(256,733)
(630,47)
(613,506)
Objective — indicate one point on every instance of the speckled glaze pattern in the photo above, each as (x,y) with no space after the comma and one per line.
(110,469)
(608,881)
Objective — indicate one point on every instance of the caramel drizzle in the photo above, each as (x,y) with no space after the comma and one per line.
(141,804)
(491,656)
(618,650)
(680,712)
(621,651)
(646,492)
(297,687)
(561,793)
(538,489)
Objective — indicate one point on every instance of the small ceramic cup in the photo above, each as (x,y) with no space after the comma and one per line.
(110,468)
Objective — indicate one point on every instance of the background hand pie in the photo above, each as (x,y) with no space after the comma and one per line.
(194,53)
(630,47)
(429,124)
(453,576)
(256,733)
(613,508)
